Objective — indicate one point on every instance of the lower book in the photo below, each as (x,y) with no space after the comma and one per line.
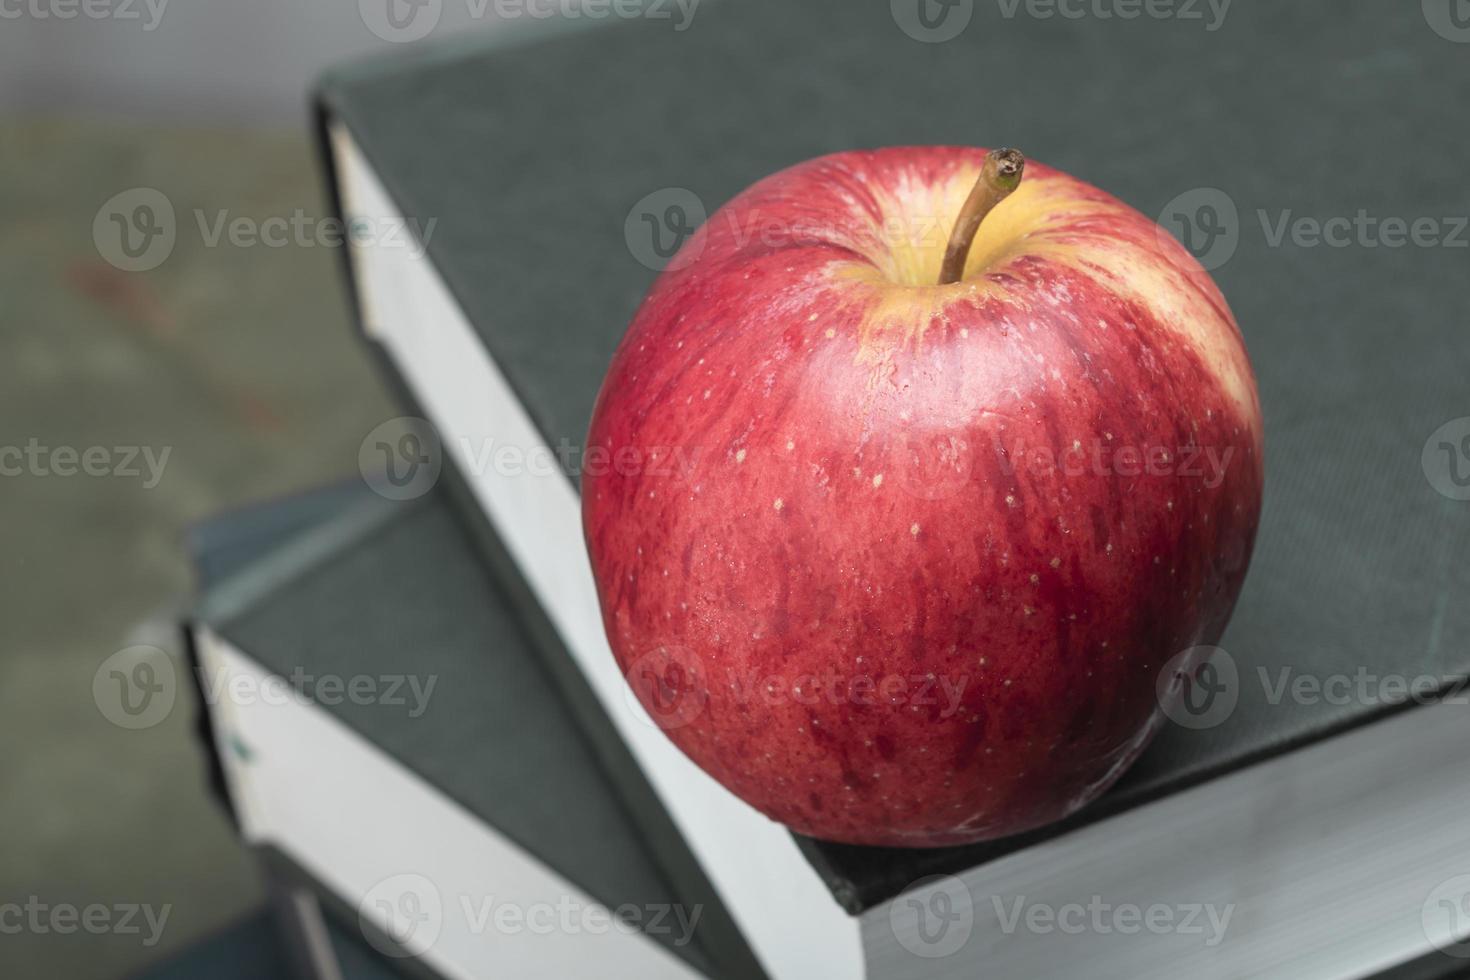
(384,733)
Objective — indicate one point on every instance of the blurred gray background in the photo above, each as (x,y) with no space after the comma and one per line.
(209,63)
(239,361)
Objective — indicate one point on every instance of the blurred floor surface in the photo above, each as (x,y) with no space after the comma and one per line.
(235,359)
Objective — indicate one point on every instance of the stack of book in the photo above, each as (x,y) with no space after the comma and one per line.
(416,716)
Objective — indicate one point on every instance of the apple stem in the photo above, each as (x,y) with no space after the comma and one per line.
(999,175)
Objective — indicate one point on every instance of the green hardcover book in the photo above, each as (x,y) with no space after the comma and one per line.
(385,732)
(548,169)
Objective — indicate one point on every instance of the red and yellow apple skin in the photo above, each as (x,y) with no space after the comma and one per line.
(900,563)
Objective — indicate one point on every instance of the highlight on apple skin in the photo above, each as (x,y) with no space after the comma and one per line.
(898,561)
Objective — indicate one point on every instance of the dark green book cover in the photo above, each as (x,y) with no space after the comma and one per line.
(535,159)
(342,583)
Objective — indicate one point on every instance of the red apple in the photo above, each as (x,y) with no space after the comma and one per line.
(898,561)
